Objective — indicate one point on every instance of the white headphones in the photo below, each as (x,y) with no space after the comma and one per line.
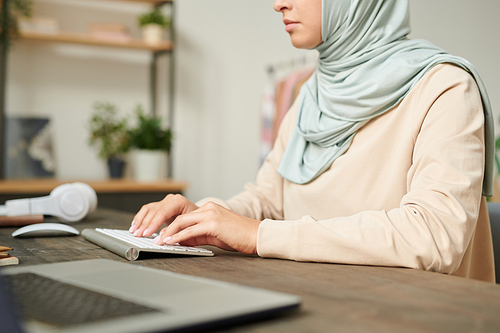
(69,202)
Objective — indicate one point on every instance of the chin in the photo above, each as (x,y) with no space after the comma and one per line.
(299,44)
(302,43)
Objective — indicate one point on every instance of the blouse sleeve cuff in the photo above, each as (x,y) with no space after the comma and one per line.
(276,239)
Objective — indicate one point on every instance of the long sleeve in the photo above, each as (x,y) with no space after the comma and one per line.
(433,225)
(407,193)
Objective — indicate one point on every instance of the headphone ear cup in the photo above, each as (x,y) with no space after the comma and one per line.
(68,202)
(60,189)
(73,204)
(90,194)
(73,201)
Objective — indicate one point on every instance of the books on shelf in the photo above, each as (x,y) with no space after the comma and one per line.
(6,258)
(113,32)
(41,25)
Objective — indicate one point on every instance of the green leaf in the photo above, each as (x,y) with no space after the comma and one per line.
(109,133)
(149,134)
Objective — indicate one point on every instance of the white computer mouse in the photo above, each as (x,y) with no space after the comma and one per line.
(45,230)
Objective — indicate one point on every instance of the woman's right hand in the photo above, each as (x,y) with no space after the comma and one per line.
(153,215)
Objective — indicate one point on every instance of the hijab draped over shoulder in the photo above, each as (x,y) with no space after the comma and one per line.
(367,65)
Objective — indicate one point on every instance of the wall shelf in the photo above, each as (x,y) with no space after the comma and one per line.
(121,194)
(86,39)
(163,48)
(153,2)
(44,186)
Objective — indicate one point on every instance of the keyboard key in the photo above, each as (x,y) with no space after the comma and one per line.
(61,304)
(146,243)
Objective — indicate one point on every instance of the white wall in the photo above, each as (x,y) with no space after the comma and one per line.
(223,49)
(469,29)
(62,81)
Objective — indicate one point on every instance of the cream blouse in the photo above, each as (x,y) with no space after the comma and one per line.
(407,193)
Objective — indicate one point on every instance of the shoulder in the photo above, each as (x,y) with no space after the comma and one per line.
(447,78)
(447,88)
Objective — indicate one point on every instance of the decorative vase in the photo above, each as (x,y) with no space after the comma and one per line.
(116,167)
(149,165)
(152,33)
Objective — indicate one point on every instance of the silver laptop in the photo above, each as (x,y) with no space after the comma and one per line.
(124,297)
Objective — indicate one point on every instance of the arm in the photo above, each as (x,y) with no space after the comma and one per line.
(435,220)
(261,200)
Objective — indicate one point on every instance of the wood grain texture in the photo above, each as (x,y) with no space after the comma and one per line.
(44,186)
(19,221)
(86,39)
(340,298)
(153,2)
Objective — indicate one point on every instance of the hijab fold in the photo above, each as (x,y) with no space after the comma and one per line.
(367,65)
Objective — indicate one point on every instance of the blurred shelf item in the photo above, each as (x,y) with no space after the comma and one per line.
(153,2)
(120,194)
(87,39)
(45,185)
(47,30)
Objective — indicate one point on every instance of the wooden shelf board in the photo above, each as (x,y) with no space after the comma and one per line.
(153,2)
(44,186)
(85,39)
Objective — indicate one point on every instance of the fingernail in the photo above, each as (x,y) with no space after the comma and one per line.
(145,232)
(131,229)
(136,233)
(156,240)
(162,231)
(167,239)
(133,221)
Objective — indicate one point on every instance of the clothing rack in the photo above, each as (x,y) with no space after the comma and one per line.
(291,64)
(284,81)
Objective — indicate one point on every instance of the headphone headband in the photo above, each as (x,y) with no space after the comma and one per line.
(69,202)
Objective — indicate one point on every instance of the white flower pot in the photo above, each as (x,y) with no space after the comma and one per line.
(152,33)
(149,165)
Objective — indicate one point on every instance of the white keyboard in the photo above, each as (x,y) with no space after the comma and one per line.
(146,243)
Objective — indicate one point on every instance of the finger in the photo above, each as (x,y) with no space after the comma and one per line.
(183,222)
(190,233)
(179,223)
(207,240)
(164,211)
(143,229)
(138,218)
(156,221)
(198,234)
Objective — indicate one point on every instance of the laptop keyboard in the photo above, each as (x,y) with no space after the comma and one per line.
(60,304)
(147,242)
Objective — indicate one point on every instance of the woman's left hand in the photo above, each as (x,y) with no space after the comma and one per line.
(215,225)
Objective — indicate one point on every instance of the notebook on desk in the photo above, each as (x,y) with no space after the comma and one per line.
(108,296)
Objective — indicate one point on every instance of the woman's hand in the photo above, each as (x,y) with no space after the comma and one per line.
(215,225)
(153,215)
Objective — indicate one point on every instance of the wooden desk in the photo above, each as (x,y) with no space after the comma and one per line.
(120,194)
(336,298)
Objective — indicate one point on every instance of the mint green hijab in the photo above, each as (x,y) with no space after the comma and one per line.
(366,67)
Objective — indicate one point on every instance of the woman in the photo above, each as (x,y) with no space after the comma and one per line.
(382,160)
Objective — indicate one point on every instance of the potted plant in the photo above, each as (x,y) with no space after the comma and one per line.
(10,12)
(153,24)
(111,135)
(152,145)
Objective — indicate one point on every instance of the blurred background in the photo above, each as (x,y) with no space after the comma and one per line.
(224,50)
